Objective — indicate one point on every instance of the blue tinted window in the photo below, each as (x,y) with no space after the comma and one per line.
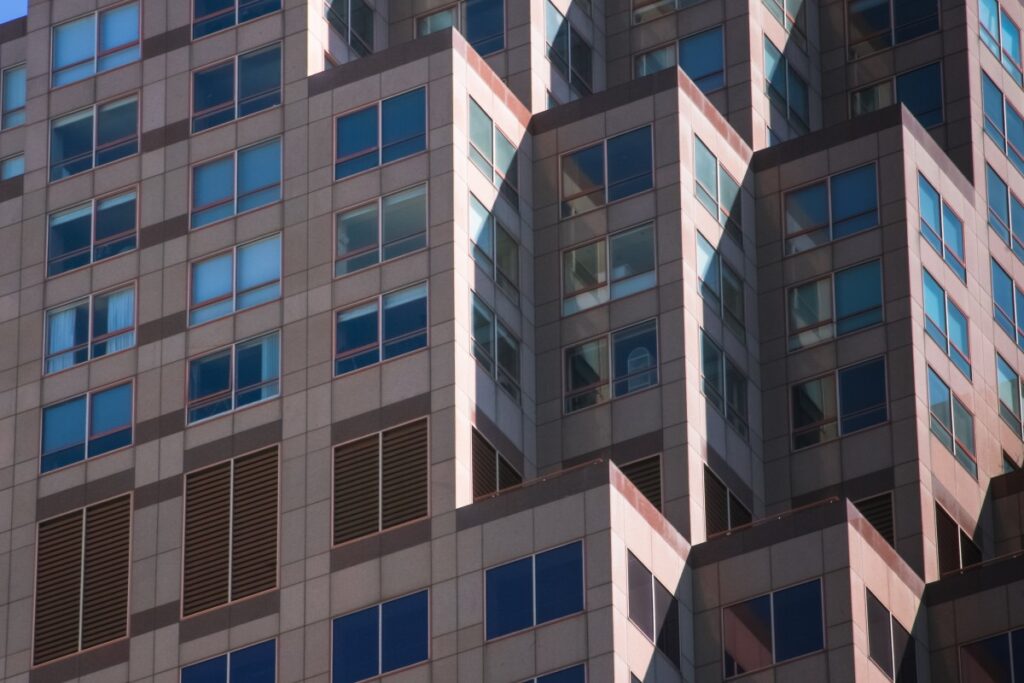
(356,647)
(357,338)
(858,297)
(63,433)
(259,175)
(921,91)
(509,597)
(209,385)
(213,191)
(210,16)
(404,631)
(862,401)
(110,420)
(256,370)
(702,57)
(1003,300)
(223,187)
(854,201)
(574,674)
(357,142)
(630,164)
(559,582)
(403,122)
(485,25)
(211,671)
(998,204)
(71,145)
(404,322)
(798,621)
(255,664)
(992,98)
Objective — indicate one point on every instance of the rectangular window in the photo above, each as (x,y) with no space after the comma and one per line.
(12,97)
(889,644)
(998,659)
(791,14)
(89,328)
(92,137)
(391,226)
(824,408)
(86,426)
(483,24)
(1010,391)
(12,167)
(946,324)
(654,60)
(629,161)
(1007,304)
(1003,123)
(721,287)
(364,336)
(230,547)
(83,565)
(231,378)
(494,348)
(534,590)
(772,628)
(253,664)
(437,21)
(492,472)
(98,230)
(241,181)
(568,52)
(386,637)
(210,16)
(942,228)
(1001,35)
(493,153)
(627,258)
(717,191)
(723,510)
(1005,212)
(381,481)
(786,88)
(353,20)
(920,90)
(243,85)
(723,384)
(951,422)
(574,674)
(632,366)
(874,25)
(494,248)
(649,10)
(854,293)
(653,609)
(842,205)
(245,276)
(387,131)
(702,57)
(955,548)
(95,43)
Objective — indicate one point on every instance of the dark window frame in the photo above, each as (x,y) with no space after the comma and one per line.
(235,103)
(94,205)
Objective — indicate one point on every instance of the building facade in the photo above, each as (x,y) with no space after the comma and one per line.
(512,340)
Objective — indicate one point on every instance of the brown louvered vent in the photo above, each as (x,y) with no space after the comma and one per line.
(485,480)
(739,515)
(357,489)
(58,587)
(254,524)
(508,476)
(716,501)
(646,476)
(878,511)
(82,579)
(207,538)
(105,574)
(404,468)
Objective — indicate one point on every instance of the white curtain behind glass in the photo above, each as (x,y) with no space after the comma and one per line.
(121,316)
(60,336)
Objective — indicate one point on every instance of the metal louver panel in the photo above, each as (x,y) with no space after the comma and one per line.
(878,511)
(207,538)
(105,574)
(404,470)
(739,515)
(357,489)
(254,524)
(715,504)
(646,476)
(58,587)
(508,476)
(485,476)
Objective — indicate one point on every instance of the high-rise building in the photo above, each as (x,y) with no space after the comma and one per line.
(497,341)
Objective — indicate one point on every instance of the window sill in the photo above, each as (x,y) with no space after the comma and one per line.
(219,126)
(89,459)
(612,399)
(190,327)
(233,411)
(233,216)
(378,167)
(386,361)
(564,219)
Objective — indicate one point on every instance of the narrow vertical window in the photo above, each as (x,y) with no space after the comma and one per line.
(12,97)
